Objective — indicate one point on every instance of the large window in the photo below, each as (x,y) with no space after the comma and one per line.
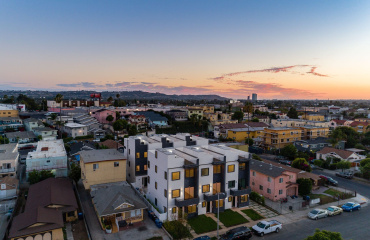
(175,176)
(244,198)
(280,180)
(176,193)
(216,187)
(165,193)
(231,168)
(221,203)
(268,190)
(205,171)
(192,208)
(231,184)
(116,164)
(189,172)
(205,188)
(145,167)
(241,166)
(280,192)
(165,175)
(261,187)
(189,193)
(174,210)
(145,154)
(216,169)
(268,179)
(137,168)
(137,155)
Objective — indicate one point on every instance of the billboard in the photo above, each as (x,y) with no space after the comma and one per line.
(95,95)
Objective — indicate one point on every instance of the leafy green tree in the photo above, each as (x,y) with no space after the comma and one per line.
(38,176)
(249,141)
(132,130)
(365,170)
(4,140)
(75,172)
(364,162)
(110,99)
(289,151)
(292,113)
(325,235)
(304,186)
(255,119)
(343,165)
(120,124)
(302,164)
(59,98)
(238,115)
(256,157)
(303,155)
(53,116)
(109,118)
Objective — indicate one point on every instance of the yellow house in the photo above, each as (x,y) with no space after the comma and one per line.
(312,132)
(313,117)
(208,109)
(195,110)
(102,166)
(218,118)
(360,127)
(276,138)
(8,113)
(241,134)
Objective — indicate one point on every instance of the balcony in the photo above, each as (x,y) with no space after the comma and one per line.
(210,197)
(236,192)
(186,202)
(7,170)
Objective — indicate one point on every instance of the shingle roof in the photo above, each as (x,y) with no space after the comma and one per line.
(152,116)
(342,153)
(357,123)
(339,122)
(101,155)
(21,135)
(256,124)
(233,125)
(265,168)
(111,144)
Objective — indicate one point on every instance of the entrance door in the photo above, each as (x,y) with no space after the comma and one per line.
(208,207)
(180,213)
(145,181)
(234,201)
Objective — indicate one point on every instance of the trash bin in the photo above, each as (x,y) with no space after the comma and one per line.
(158,223)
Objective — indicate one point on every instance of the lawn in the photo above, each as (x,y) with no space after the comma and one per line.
(202,224)
(335,193)
(230,218)
(323,198)
(252,214)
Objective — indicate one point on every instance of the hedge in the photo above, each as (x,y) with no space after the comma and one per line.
(257,198)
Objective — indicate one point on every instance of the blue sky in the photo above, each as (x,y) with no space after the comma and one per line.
(182,46)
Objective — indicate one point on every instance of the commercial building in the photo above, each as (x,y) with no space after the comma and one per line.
(254,96)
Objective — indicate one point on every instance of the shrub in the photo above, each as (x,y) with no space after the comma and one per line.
(257,198)
(364,162)
(177,229)
(333,166)
(304,186)
(318,162)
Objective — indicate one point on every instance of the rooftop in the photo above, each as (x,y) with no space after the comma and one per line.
(101,155)
(266,169)
(9,151)
(54,148)
(74,125)
(20,135)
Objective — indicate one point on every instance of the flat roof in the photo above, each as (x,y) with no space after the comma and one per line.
(101,155)
(52,148)
(8,151)
(74,125)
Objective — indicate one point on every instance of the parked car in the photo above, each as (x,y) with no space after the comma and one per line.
(237,233)
(350,206)
(347,175)
(333,210)
(317,213)
(202,238)
(329,180)
(285,162)
(265,227)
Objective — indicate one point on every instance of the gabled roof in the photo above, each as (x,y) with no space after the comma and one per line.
(339,122)
(342,153)
(111,144)
(357,123)
(232,125)
(256,124)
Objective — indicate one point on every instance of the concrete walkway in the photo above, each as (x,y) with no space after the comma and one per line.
(69,231)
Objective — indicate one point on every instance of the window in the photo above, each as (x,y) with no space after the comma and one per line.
(148,179)
(165,175)
(189,193)
(221,203)
(174,210)
(165,193)
(155,168)
(205,171)
(148,164)
(155,201)
(156,154)
(280,191)
(145,167)
(204,204)
(137,168)
(253,183)
(189,173)
(216,169)
(192,208)
(231,168)
(268,190)
(129,163)
(231,184)
(261,187)
(137,155)
(175,176)
(244,198)
(95,166)
(164,209)
(116,164)
(145,154)
(216,187)
(155,185)
(281,180)
(176,193)
(230,199)
(205,188)
(254,173)
(241,166)
(268,179)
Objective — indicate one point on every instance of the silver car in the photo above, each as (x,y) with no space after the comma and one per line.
(317,213)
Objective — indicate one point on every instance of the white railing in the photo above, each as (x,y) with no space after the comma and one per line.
(6,170)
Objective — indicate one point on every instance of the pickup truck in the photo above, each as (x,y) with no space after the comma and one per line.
(265,227)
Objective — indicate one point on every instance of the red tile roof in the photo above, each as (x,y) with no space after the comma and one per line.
(339,122)
(257,124)
(111,144)
(357,123)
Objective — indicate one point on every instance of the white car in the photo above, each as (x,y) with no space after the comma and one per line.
(333,210)
(317,213)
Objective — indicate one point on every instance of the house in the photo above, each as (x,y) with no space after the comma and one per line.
(50,203)
(263,118)
(45,133)
(10,124)
(313,117)
(241,134)
(360,127)
(75,129)
(87,120)
(154,119)
(102,114)
(8,112)
(49,155)
(8,187)
(194,180)
(102,166)
(329,152)
(271,181)
(111,144)
(221,130)
(31,123)
(334,123)
(21,137)
(81,146)
(139,121)
(115,203)
(314,145)
(279,137)
(9,159)
(136,153)
(198,111)
(219,117)
(312,132)
(178,115)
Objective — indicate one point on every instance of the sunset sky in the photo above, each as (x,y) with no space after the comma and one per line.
(277,49)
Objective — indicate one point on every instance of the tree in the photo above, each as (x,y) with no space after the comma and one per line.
(289,151)
(364,162)
(343,165)
(75,173)
(110,99)
(249,141)
(238,115)
(302,164)
(132,130)
(304,186)
(255,119)
(248,108)
(53,116)
(4,140)
(120,124)
(118,115)
(365,170)
(38,176)
(59,98)
(325,235)
(109,118)
(256,157)
(292,113)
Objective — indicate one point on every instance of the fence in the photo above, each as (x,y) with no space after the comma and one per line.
(289,206)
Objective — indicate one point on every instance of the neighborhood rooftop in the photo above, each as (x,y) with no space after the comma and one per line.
(101,155)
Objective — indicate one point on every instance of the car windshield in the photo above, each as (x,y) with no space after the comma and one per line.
(330,209)
(261,225)
(348,204)
(314,211)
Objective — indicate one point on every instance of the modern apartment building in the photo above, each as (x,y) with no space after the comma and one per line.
(193,180)
(136,153)
(276,138)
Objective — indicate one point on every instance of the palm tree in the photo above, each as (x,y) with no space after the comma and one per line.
(59,98)
(110,99)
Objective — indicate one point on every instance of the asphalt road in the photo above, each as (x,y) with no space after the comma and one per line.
(352,225)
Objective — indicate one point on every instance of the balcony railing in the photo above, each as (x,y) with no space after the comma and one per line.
(47,167)
(211,197)
(186,202)
(7,170)
(236,192)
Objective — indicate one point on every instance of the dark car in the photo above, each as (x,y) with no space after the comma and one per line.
(285,162)
(238,233)
(329,180)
